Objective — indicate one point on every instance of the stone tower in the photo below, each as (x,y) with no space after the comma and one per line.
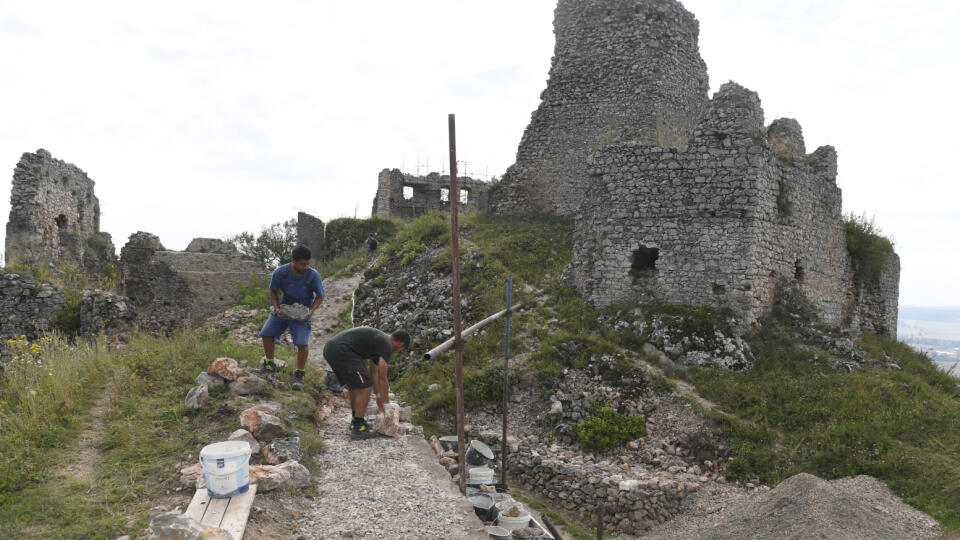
(55,216)
(622,70)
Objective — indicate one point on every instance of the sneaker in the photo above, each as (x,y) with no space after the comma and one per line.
(298,376)
(362,430)
(267,365)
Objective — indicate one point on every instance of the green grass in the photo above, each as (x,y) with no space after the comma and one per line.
(791,415)
(148,433)
(868,248)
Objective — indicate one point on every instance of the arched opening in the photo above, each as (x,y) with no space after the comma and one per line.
(61,221)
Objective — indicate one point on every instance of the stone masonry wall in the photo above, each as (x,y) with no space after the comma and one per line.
(55,217)
(311,232)
(430,192)
(26,308)
(716,222)
(875,304)
(171,288)
(620,71)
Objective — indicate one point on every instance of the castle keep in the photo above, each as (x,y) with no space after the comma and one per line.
(55,216)
(679,198)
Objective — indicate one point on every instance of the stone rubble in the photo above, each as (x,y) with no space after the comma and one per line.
(197,396)
(227,368)
(282,449)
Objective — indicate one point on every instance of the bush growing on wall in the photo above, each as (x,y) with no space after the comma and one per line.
(608,429)
(867,246)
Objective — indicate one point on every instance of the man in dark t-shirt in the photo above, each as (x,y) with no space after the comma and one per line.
(346,353)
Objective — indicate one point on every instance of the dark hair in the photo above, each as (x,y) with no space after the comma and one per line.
(403,337)
(301,253)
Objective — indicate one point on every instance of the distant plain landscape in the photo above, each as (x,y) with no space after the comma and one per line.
(935,330)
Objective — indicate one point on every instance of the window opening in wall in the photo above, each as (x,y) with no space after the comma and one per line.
(464,196)
(61,221)
(444,194)
(644,261)
(407,193)
(798,272)
(719,289)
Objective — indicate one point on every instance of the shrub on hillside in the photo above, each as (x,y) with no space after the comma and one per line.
(868,248)
(608,429)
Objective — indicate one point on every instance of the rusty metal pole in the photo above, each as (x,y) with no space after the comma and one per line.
(600,512)
(458,338)
(506,390)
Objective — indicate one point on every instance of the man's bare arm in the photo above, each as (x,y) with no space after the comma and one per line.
(380,381)
(316,304)
(276,303)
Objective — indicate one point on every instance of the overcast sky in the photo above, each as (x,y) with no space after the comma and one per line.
(211,118)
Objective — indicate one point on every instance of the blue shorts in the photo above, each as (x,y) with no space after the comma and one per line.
(299,330)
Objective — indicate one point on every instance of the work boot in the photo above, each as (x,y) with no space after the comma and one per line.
(267,365)
(298,376)
(361,430)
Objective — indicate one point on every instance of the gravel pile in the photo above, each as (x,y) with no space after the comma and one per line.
(385,488)
(804,506)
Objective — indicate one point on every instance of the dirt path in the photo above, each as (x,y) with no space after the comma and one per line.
(339,294)
(83,456)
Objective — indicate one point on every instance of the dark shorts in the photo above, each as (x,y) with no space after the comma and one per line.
(352,371)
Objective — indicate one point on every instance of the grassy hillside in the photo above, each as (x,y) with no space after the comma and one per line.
(791,413)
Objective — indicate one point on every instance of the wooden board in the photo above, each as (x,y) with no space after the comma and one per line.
(228,514)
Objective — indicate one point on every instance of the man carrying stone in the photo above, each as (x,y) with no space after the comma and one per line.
(299,284)
(346,353)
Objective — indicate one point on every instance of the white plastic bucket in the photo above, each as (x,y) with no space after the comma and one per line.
(480,475)
(226,468)
(511,523)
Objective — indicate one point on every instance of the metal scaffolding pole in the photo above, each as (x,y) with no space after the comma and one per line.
(506,389)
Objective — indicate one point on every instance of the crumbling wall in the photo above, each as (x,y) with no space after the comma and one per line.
(407,196)
(103,312)
(311,232)
(55,217)
(172,288)
(27,307)
(874,303)
(717,222)
(621,71)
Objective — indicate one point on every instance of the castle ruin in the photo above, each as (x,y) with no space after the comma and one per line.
(407,196)
(679,198)
(55,217)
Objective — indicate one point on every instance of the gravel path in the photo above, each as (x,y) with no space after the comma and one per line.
(385,488)
(338,294)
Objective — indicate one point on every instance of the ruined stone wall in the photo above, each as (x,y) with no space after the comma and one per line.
(621,71)
(311,232)
(27,308)
(172,288)
(424,193)
(874,304)
(716,222)
(55,217)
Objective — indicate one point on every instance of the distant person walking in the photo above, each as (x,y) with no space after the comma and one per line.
(346,353)
(371,246)
(299,284)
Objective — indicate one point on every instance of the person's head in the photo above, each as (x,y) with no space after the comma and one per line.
(400,340)
(300,259)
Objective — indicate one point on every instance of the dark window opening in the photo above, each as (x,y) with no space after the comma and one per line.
(719,289)
(644,261)
(61,221)
(798,272)
(407,193)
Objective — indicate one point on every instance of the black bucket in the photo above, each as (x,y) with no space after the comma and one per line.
(484,508)
(478,454)
(449,443)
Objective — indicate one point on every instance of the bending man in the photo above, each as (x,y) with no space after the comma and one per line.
(299,284)
(346,353)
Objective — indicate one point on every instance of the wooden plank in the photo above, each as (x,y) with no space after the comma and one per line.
(215,511)
(198,506)
(235,520)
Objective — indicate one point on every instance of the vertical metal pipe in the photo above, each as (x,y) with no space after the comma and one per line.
(458,339)
(506,389)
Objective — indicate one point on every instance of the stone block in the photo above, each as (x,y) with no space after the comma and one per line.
(283,449)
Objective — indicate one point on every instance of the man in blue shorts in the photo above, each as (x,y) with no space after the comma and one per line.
(299,284)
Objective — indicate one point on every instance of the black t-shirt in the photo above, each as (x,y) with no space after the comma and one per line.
(360,342)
